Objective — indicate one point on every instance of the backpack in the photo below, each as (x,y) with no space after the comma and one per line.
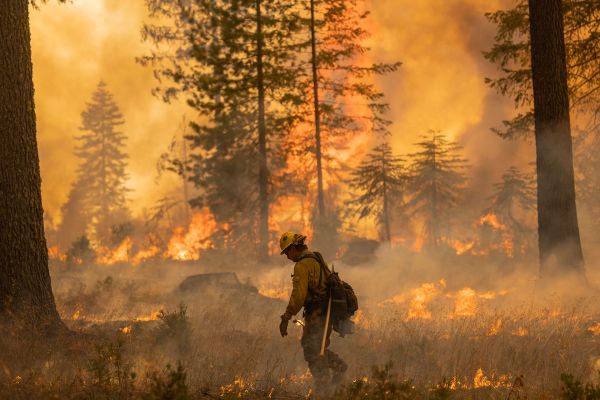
(344,302)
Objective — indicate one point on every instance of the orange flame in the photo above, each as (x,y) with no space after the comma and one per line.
(187,245)
(492,220)
(54,253)
(112,256)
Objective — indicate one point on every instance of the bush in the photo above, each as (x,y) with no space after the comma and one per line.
(573,389)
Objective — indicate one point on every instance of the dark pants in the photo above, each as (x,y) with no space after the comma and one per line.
(312,337)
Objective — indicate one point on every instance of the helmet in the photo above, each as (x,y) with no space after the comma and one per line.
(290,238)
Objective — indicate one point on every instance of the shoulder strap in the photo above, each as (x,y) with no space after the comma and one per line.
(319,258)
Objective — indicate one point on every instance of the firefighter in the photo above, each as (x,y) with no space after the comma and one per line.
(310,291)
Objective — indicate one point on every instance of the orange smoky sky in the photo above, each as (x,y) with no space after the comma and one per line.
(439,86)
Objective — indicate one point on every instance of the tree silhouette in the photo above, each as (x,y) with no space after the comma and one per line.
(435,186)
(102,165)
(379,182)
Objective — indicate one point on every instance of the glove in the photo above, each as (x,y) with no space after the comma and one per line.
(283,326)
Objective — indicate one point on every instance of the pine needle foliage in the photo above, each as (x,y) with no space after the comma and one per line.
(206,51)
(436,185)
(379,183)
(102,170)
(512,54)
(513,199)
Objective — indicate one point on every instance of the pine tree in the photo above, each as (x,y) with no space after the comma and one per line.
(558,230)
(379,181)
(513,199)
(74,220)
(511,52)
(102,166)
(235,64)
(435,186)
(345,100)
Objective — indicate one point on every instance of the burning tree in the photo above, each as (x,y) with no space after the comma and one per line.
(235,64)
(345,100)
(102,167)
(514,198)
(435,185)
(379,181)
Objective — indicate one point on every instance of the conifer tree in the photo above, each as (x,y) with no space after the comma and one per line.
(102,166)
(379,182)
(345,100)
(511,52)
(74,220)
(513,199)
(235,63)
(435,186)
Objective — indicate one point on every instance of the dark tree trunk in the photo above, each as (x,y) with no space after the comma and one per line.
(25,291)
(559,244)
(320,197)
(263,175)
(386,217)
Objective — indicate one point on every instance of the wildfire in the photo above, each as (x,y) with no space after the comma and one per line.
(153,316)
(460,247)
(112,256)
(465,304)
(595,329)
(421,296)
(520,331)
(275,293)
(54,253)
(361,320)
(187,245)
(146,254)
(495,329)
(492,220)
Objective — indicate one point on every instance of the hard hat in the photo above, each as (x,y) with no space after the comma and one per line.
(290,238)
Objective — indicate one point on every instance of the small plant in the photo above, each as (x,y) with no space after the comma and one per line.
(381,385)
(111,376)
(175,327)
(573,389)
(170,385)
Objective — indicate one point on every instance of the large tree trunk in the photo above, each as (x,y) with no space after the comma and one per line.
(263,175)
(559,244)
(25,291)
(315,76)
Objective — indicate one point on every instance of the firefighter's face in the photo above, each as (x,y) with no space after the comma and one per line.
(292,253)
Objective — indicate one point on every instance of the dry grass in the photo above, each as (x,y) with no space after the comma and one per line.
(227,345)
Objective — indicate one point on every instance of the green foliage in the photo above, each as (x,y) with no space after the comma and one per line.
(381,385)
(215,67)
(111,375)
(379,181)
(168,385)
(436,183)
(573,389)
(513,200)
(511,53)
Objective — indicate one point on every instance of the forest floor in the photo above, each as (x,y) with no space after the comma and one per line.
(141,338)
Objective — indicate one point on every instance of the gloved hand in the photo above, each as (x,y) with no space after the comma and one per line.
(283,326)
